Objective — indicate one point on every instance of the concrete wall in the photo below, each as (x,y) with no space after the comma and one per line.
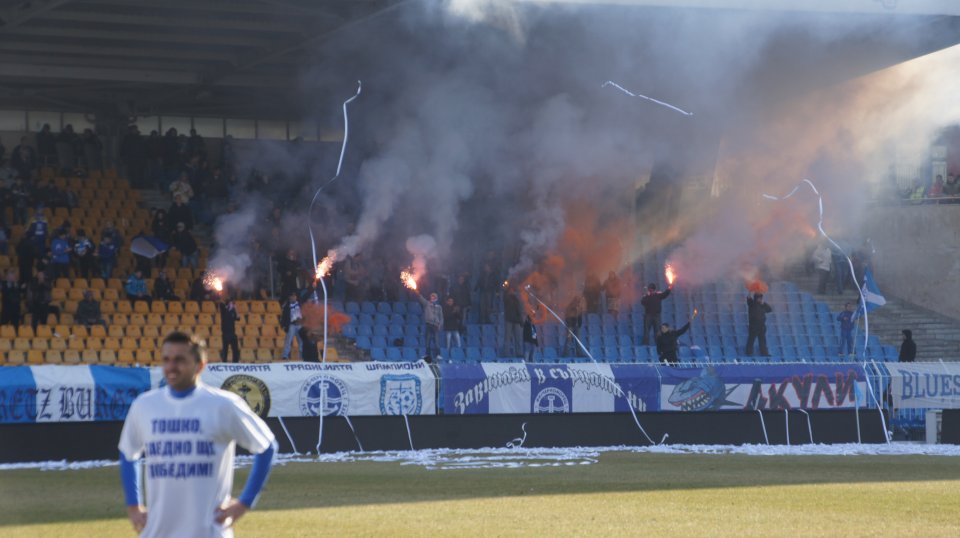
(918,254)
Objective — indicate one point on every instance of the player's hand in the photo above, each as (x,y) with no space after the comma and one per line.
(228,514)
(138,517)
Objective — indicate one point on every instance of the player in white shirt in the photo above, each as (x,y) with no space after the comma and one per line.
(187,433)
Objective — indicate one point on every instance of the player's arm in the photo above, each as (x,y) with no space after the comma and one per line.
(252,433)
(131,446)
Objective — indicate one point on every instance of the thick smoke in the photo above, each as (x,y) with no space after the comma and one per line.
(485,127)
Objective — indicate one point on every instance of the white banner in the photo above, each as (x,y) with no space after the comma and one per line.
(925,385)
(64,393)
(294,389)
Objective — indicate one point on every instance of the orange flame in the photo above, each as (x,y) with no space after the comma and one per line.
(670,273)
(408,280)
(213,281)
(323,268)
(757,286)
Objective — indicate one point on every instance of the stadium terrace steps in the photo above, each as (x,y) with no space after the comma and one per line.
(937,336)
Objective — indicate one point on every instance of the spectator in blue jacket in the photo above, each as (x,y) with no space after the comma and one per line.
(83,255)
(136,288)
(847,323)
(37,232)
(108,257)
(60,256)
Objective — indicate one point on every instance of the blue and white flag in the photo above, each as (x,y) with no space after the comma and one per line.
(871,293)
(148,246)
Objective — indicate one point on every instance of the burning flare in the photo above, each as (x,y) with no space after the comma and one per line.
(671,275)
(408,280)
(323,268)
(213,281)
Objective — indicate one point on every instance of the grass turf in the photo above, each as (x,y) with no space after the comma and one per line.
(622,494)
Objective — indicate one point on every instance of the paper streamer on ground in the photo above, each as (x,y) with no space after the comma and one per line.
(651,99)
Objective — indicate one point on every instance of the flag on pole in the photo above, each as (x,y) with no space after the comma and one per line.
(871,293)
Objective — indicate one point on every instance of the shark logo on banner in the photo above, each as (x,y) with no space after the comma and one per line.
(400,395)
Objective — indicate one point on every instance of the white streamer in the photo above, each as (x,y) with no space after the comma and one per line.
(355,436)
(518,442)
(651,99)
(809,425)
(863,301)
(289,437)
(585,350)
(409,436)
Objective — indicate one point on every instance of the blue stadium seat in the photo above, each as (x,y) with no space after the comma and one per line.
(627,354)
(363,342)
(364,319)
(488,354)
(367,307)
(410,354)
(378,354)
(399,308)
(609,354)
(394,354)
(397,319)
(352,308)
(395,331)
(348,331)
(457,355)
(412,330)
(381,319)
(364,330)
(488,341)
(411,341)
(414,307)
(474,354)
(549,354)
(380,330)
(378,341)
(384,308)
(625,340)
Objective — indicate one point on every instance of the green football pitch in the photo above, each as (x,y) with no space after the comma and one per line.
(622,494)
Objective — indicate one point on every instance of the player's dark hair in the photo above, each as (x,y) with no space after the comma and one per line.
(196,345)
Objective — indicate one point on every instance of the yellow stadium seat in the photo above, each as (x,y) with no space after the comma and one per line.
(124,307)
(58,344)
(205,320)
(175,319)
(52,357)
(59,295)
(208,307)
(7,332)
(71,356)
(41,344)
(133,331)
(125,356)
(257,307)
(21,344)
(202,332)
(66,318)
(248,355)
(44,331)
(108,356)
(97,331)
(271,319)
(93,343)
(151,330)
(138,319)
(111,294)
(268,330)
(80,283)
(63,283)
(63,329)
(158,307)
(74,294)
(249,343)
(35,356)
(111,343)
(16,357)
(108,307)
(141,307)
(89,356)
(129,343)
(77,344)
(167,329)
(6,344)
(175,307)
(79,331)
(26,331)
(116,331)
(155,319)
(97,284)
(264,355)
(243,307)
(191,307)
(144,356)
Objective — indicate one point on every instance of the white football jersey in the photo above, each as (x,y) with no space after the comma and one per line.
(188,445)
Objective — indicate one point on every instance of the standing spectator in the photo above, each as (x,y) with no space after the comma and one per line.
(652,308)
(161,230)
(591,293)
(115,236)
(46,146)
(530,338)
(4,237)
(20,200)
(841,270)
(181,187)
(66,150)
(184,242)
(12,293)
(40,298)
(60,250)
(611,286)
(353,273)
(667,343)
(289,270)
(92,151)
(38,231)
(821,262)
(452,323)
(196,147)
(88,311)
(847,324)
(180,212)
(488,285)
(84,260)
(228,329)
(107,252)
(136,288)
(908,349)
(462,296)
(290,320)
(757,311)
(512,324)
(26,256)
(154,170)
(310,348)
(162,289)
(133,155)
(573,318)
(433,322)
(23,159)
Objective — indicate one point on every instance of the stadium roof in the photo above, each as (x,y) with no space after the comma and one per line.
(243,57)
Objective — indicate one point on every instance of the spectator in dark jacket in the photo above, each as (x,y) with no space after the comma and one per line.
(88,311)
(26,256)
(163,289)
(291,319)
(184,242)
(228,329)
(180,212)
(512,324)
(488,285)
(573,318)
(667,343)
(310,352)
(12,293)
(530,338)
(591,293)
(757,311)
(908,349)
(83,259)
(46,145)
(107,253)
(652,308)
(23,159)
(452,321)
(40,302)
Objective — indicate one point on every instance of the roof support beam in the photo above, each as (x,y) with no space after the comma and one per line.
(249,25)
(157,37)
(22,71)
(25,11)
(169,53)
